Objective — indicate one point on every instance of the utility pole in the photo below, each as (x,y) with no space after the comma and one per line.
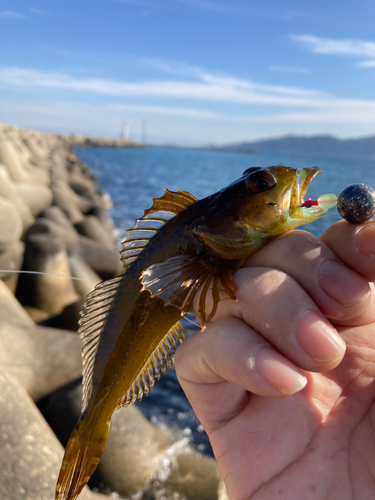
(125,130)
(144,132)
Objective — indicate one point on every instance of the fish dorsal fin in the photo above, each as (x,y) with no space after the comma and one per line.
(172,202)
(179,279)
(163,209)
(93,316)
(157,363)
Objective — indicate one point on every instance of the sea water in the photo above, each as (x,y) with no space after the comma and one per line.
(133,176)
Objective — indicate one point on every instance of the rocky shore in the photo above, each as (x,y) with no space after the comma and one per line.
(54,219)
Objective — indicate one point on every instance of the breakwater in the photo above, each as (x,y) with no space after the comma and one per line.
(54,219)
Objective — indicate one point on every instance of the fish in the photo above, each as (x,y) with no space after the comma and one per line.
(180,249)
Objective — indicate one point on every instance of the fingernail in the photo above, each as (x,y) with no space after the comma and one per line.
(319,340)
(365,239)
(341,283)
(278,371)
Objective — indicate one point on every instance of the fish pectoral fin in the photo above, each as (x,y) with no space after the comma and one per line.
(179,279)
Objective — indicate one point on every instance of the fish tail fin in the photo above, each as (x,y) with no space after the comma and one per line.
(81,458)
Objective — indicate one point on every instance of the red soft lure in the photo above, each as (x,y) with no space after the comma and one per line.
(309,203)
(325,201)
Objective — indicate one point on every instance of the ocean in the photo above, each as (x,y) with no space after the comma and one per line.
(133,176)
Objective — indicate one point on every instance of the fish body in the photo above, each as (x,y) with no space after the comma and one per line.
(180,247)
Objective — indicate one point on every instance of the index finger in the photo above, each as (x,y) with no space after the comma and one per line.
(354,245)
(340,292)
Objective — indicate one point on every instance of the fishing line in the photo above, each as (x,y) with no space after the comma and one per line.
(191,321)
(47,274)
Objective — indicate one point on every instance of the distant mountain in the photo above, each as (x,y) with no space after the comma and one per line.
(314,145)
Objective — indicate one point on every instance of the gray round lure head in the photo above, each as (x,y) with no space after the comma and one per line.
(356,203)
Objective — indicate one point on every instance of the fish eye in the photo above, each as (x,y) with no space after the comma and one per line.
(260,181)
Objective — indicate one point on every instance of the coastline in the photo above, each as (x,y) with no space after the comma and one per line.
(54,219)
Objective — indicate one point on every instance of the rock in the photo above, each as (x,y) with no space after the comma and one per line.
(104,260)
(8,187)
(36,147)
(91,227)
(10,224)
(81,270)
(37,198)
(11,260)
(11,310)
(134,452)
(16,167)
(31,454)
(84,204)
(9,191)
(62,409)
(185,474)
(44,252)
(83,186)
(83,286)
(40,317)
(43,359)
(101,214)
(194,476)
(105,200)
(58,166)
(62,226)
(22,150)
(66,199)
(12,161)
(70,315)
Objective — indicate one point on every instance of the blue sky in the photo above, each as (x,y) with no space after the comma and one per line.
(194,71)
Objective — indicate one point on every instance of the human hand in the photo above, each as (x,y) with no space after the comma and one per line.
(319,442)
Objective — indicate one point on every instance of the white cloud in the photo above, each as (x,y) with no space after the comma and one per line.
(163,110)
(206,87)
(119,109)
(103,119)
(367,64)
(12,14)
(352,48)
(181,125)
(350,115)
(304,110)
(197,73)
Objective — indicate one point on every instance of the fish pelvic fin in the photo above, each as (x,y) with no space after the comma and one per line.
(157,363)
(163,209)
(81,458)
(179,279)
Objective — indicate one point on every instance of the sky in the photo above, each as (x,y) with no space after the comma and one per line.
(191,72)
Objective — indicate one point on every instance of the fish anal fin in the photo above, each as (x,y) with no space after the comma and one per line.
(179,279)
(157,363)
(93,316)
(145,228)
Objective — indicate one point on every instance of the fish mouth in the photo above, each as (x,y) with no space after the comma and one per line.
(293,198)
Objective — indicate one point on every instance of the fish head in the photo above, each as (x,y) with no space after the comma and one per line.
(261,204)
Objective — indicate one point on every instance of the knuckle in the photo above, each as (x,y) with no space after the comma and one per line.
(253,285)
